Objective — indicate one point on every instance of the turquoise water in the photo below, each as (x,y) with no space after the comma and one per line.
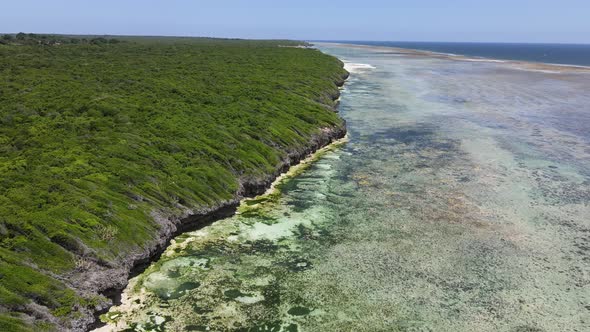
(459,203)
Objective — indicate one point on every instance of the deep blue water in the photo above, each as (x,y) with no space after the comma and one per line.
(572,54)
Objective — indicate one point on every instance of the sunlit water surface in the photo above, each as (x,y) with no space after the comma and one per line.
(460,203)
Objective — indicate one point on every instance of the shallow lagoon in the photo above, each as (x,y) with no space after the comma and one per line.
(460,203)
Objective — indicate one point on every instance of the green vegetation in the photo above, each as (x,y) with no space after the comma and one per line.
(97,134)
(53,40)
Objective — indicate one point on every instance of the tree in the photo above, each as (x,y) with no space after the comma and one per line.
(98,41)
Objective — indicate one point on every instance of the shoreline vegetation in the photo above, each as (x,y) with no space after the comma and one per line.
(109,149)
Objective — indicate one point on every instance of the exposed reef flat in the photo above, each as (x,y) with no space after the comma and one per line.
(524,65)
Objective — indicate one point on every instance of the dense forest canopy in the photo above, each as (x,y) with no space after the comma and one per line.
(97,133)
(22,38)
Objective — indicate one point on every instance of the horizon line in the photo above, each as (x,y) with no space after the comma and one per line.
(302,39)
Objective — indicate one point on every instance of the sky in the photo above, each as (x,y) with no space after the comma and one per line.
(560,21)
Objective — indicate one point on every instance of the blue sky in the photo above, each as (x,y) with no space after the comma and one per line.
(418,20)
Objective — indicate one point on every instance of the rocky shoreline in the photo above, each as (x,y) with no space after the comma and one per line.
(110,279)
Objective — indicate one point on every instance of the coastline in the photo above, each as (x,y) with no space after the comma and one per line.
(524,65)
(454,207)
(110,281)
(261,201)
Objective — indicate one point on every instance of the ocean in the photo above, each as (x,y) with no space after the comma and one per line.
(567,54)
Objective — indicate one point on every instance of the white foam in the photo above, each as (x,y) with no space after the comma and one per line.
(483,60)
(539,70)
(352,67)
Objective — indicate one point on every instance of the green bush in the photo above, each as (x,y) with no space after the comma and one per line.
(96,134)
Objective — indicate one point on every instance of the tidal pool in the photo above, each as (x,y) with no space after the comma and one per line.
(459,203)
